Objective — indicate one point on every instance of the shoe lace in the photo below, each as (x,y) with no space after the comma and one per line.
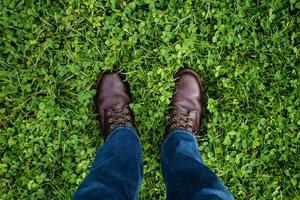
(116,117)
(182,120)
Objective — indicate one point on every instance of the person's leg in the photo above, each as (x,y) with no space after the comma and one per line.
(116,173)
(117,170)
(185,174)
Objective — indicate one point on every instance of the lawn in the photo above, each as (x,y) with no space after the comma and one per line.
(247,53)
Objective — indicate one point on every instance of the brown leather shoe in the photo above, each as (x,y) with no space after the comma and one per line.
(186,104)
(112,102)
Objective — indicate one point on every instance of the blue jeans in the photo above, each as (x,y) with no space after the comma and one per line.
(117,171)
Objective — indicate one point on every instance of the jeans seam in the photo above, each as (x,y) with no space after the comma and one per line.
(140,161)
(134,192)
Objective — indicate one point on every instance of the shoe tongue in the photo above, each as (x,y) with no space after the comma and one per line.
(183,107)
(192,113)
(118,107)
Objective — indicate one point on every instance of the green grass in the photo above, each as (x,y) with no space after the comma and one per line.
(247,53)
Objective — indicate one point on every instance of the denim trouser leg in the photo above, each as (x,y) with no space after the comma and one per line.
(117,170)
(184,172)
